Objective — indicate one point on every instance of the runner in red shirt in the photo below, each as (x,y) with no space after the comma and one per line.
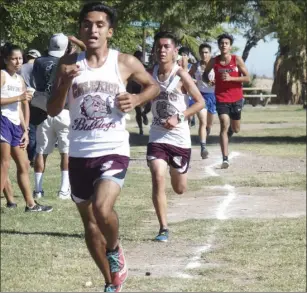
(230,72)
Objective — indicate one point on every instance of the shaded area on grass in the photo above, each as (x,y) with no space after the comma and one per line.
(142,140)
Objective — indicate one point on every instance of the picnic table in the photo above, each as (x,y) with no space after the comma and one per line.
(257,96)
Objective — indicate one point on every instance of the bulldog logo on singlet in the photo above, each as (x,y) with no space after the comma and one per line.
(97,107)
(93,107)
(165,109)
(96,112)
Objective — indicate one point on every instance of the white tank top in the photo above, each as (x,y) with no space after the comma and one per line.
(166,105)
(97,127)
(14,86)
(203,86)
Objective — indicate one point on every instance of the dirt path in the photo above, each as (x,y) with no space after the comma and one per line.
(214,202)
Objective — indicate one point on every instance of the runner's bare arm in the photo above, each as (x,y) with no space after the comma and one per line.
(2,79)
(26,108)
(26,112)
(25,136)
(131,68)
(193,91)
(242,68)
(67,70)
(209,67)
(77,42)
(22,119)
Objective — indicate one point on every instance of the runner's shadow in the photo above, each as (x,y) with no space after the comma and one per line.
(54,234)
(138,140)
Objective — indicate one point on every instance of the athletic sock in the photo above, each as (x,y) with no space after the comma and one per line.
(113,250)
(38,177)
(203,145)
(225,158)
(64,181)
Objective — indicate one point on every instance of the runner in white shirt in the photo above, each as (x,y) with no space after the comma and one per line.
(95,83)
(170,140)
(206,115)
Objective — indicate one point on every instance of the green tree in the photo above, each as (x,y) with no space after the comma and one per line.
(285,20)
(193,21)
(254,26)
(32,22)
(289,20)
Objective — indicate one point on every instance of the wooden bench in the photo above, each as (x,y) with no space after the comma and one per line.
(260,96)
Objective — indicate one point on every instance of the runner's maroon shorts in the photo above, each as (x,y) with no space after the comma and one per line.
(85,172)
(177,157)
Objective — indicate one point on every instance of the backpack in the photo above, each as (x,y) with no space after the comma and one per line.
(38,105)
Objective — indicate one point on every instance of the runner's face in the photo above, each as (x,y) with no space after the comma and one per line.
(205,54)
(225,46)
(95,29)
(166,51)
(14,62)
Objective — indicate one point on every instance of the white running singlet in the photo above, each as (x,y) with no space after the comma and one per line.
(203,86)
(98,127)
(14,86)
(166,105)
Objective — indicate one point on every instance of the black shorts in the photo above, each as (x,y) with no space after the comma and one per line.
(233,110)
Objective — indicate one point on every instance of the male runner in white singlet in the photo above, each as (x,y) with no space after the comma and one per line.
(169,139)
(95,84)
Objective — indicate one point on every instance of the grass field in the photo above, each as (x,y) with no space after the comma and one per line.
(46,252)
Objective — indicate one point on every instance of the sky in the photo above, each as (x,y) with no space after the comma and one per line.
(261,58)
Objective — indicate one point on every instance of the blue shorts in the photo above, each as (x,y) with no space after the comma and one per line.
(210,102)
(10,132)
(191,101)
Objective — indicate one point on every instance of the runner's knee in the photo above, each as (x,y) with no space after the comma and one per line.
(180,189)
(91,229)
(202,119)
(23,167)
(235,129)
(102,210)
(158,182)
(5,164)
(224,128)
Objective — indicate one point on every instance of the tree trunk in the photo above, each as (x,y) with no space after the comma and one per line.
(248,46)
(289,76)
